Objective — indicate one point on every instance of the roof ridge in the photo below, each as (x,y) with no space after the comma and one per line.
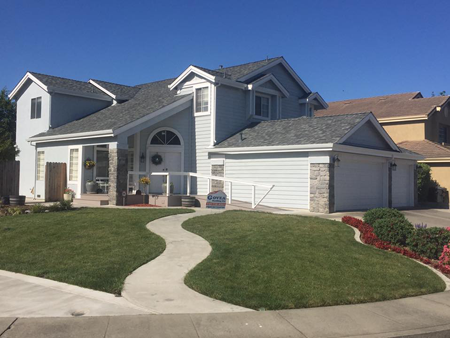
(147,83)
(114,83)
(59,77)
(373,97)
(437,145)
(247,63)
(317,117)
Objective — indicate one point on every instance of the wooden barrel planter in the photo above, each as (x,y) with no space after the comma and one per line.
(17,200)
(187,201)
(5,200)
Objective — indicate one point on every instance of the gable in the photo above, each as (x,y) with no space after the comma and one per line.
(270,85)
(367,136)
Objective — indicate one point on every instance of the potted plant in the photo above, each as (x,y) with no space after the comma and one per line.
(68,194)
(89,164)
(91,187)
(146,182)
(164,187)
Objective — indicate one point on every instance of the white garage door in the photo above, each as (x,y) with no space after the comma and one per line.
(359,185)
(402,186)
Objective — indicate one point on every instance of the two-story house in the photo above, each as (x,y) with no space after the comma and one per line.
(419,124)
(253,124)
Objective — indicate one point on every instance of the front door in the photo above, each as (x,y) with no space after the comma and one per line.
(171,162)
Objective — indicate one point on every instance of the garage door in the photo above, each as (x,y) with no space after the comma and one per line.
(359,185)
(402,186)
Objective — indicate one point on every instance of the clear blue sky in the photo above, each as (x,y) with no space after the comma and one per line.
(342,49)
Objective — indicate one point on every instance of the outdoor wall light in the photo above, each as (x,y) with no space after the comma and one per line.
(336,161)
(393,166)
(142,158)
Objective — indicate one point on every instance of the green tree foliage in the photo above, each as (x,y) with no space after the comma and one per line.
(425,185)
(8,149)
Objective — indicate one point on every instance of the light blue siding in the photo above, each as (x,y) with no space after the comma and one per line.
(27,127)
(367,136)
(202,142)
(66,108)
(231,111)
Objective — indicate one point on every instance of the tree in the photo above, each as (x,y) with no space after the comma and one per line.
(426,186)
(8,148)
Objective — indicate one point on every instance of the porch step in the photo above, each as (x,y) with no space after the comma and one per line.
(91,200)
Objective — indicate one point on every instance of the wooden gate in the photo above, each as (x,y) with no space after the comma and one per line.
(9,178)
(55,181)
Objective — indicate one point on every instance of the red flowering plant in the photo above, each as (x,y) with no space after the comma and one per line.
(368,237)
(69,191)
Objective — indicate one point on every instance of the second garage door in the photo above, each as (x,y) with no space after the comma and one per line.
(360,185)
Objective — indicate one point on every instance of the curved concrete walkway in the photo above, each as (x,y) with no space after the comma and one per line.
(159,285)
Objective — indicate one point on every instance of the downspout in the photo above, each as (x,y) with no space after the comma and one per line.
(35,169)
(50,110)
(213,116)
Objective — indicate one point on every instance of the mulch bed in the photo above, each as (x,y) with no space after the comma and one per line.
(145,205)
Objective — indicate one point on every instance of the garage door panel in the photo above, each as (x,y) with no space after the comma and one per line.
(359,185)
(402,186)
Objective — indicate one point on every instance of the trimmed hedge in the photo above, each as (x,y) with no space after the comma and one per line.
(395,230)
(371,216)
(429,242)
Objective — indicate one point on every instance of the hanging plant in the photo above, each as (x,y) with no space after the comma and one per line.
(88,164)
(157,159)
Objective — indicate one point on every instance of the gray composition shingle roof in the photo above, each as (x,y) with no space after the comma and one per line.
(297,131)
(120,91)
(150,98)
(72,85)
(143,99)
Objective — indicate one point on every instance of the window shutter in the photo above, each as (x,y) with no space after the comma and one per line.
(33,108)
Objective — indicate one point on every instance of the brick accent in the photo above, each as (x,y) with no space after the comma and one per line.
(118,172)
(321,194)
(217,170)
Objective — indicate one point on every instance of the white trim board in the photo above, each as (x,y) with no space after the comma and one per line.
(267,78)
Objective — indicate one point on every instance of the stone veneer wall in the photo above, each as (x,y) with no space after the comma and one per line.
(118,172)
(217,170)
(321,194)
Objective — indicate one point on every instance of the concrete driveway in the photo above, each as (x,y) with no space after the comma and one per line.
(431,217)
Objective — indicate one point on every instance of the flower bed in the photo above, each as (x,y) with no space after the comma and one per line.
(145,205)
(368,237)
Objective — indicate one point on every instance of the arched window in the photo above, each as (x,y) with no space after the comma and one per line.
(166,137)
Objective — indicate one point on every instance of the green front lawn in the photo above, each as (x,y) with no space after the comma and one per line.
(273,262)
(93,248)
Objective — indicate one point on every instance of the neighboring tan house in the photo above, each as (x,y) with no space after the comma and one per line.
(419,124)
(252,124)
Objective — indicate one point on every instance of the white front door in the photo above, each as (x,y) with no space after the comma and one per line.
(171,162)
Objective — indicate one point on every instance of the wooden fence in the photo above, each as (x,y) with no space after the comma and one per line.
(9,178)
(55,181)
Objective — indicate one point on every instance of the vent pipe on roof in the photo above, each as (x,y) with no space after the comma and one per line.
(241,135)
(221,68)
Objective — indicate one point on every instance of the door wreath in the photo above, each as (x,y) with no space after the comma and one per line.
(157,159)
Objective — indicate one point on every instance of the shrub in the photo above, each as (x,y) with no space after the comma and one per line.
(37,209)
(54,207)
(394,230)
(371,216)
(429,242)
(15,211)
(65,205)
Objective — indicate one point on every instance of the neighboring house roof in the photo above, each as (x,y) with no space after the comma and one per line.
(150,98)
(428,149)
(117,91)
(69,84)
(297,131)
(389,107)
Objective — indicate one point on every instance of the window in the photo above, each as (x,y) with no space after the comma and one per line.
(166,137)
(443,138)
(73,165)
(36,105)
(202,100)
(262,104)
(40,165)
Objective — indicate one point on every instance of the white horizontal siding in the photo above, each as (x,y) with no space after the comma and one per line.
(403,186)
(288,172)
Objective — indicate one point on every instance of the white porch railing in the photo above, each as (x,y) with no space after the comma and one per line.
(209,178)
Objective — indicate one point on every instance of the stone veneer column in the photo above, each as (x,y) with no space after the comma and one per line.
(321,193)
(118,174)
(217,170)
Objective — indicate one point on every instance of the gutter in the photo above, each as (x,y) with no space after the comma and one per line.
(65,137)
